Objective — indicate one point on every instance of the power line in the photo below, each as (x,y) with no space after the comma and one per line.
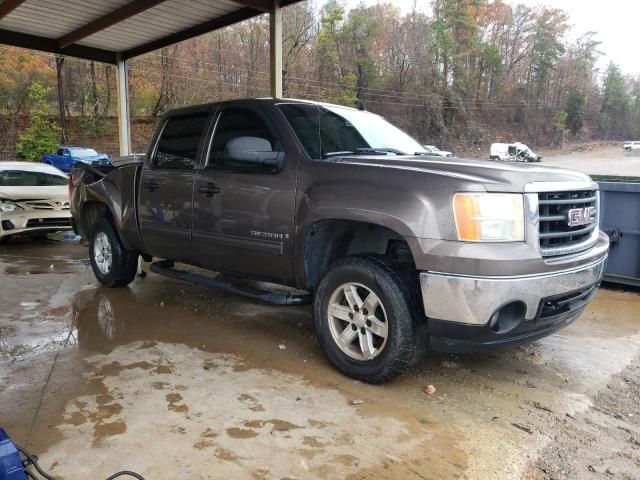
(429,95)
(463,104)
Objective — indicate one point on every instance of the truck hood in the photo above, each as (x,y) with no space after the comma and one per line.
(495,176)
(53,192)
(92,158)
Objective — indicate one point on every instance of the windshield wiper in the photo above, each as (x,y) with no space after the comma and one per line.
(379,151)
(337,154)
(364,151)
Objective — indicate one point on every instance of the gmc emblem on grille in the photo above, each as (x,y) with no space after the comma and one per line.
(582,216)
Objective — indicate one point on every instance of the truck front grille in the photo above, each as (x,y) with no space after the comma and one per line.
(557,236)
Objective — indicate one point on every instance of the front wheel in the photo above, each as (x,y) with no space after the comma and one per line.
(112,264)
(367,318)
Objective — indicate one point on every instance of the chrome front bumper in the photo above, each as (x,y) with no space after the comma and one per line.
(473,300)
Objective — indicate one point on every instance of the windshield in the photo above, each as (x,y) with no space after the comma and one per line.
(524,150)
(21,178)
(83,152)
(329,130)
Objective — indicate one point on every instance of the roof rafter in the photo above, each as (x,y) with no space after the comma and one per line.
(265,6)
(215,24)
(108,20)
(43,44)
(9,6)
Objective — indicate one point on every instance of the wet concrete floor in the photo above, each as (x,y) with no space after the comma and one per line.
(179,381)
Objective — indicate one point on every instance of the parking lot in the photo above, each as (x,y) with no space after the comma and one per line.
(92,378)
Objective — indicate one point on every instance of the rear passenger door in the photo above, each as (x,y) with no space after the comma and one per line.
(243,214)
(165,202)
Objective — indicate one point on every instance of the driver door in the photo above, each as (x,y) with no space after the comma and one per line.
(243,214)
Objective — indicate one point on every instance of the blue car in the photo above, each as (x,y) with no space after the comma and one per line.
(67,156)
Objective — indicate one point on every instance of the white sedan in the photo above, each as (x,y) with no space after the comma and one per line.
(33,199)
(436,152)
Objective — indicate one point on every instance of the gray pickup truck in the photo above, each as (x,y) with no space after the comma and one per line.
(399,251)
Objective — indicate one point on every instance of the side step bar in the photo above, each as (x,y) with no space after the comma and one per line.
(165,267)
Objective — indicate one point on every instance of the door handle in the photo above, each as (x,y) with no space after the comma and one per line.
(208,190)
(151,185)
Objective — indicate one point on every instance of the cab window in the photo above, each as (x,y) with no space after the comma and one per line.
(234,123)
(179,142)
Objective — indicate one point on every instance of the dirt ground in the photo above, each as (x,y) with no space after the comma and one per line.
(178,381)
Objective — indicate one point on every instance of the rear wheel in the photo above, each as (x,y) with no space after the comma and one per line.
(112,264)
(367,319)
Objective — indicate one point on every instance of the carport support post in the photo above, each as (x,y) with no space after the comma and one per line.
(124,130)
(276,49)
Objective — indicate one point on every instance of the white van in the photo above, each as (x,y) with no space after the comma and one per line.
(513,151)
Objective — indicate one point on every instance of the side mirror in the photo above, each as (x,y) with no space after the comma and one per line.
(252,151)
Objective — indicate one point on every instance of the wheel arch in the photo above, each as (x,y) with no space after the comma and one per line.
(329,239)
(94,210)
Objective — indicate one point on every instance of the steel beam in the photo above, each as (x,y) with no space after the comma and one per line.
(9,6)
(108,20)
(265,6)
(34,42)
(124,127)
(206,27)
(275,44)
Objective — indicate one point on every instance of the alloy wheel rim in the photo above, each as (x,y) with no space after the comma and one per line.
(102,253)
(358,321)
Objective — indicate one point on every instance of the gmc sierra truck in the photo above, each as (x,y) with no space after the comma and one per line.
(399,251)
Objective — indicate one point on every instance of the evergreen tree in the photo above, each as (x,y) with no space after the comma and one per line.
(575,111)
(43,134)
(615,104)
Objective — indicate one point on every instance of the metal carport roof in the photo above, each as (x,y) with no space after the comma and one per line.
(108,30)
(112,31)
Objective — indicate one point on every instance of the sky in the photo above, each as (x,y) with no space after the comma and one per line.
(616,23)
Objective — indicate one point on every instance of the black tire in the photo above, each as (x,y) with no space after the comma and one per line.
(124,264)
(398,293)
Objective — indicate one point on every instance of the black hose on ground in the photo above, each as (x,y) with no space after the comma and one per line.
(33,460)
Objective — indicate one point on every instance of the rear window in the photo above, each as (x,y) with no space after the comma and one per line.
(21,178)
(83,152)
(179,142)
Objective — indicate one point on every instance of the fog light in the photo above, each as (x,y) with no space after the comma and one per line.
(508,317)
(7,225)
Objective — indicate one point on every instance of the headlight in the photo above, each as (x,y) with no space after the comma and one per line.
(9,207)
(489,217)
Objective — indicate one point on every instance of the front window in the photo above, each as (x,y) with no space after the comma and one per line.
(83,152)
(327,131)
(22,178)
